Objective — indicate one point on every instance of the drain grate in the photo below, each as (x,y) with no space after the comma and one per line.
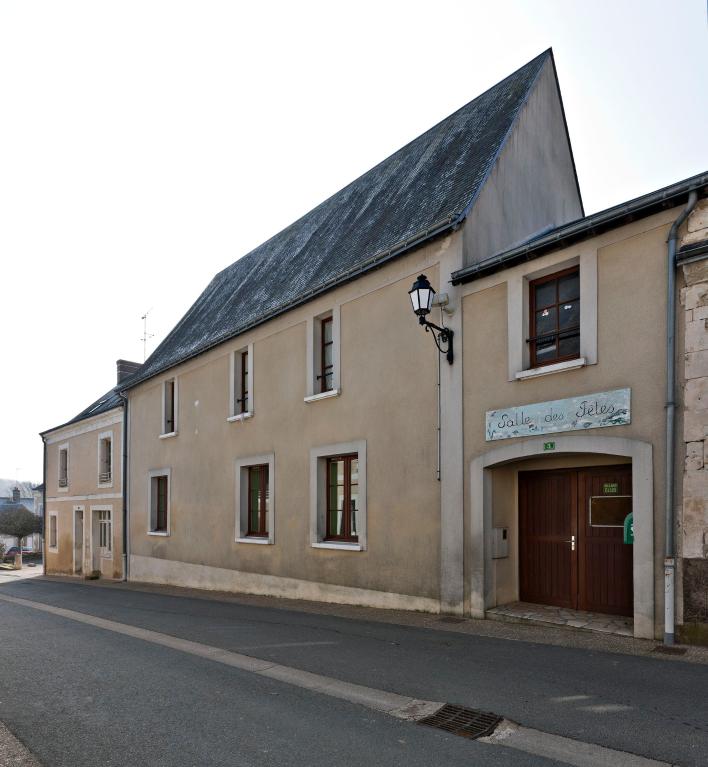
(463,721)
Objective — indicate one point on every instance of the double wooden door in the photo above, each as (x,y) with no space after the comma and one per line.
(571,549)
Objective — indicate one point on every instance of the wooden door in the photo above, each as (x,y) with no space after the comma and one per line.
(604,561)
(571,550)
(548,571)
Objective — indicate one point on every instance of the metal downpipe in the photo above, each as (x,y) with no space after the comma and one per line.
(669,555)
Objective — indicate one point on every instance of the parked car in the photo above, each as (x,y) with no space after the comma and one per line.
(10,553)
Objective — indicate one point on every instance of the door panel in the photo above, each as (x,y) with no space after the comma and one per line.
(593,573)
(604,561)
(547,520)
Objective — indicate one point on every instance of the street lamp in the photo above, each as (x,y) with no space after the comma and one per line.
(422,294)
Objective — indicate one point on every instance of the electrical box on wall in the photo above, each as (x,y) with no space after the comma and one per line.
(500,542)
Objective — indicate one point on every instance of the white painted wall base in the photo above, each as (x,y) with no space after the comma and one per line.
(173,573)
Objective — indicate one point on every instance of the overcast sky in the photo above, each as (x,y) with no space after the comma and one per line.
(146,145)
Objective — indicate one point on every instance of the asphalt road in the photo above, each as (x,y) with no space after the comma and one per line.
(79,695)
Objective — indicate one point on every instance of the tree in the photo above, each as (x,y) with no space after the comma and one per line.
(19,523)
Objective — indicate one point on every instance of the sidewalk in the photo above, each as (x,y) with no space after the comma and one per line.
(26,572)
(547,635)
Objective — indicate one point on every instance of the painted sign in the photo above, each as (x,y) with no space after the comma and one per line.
(610,488)
(592,411)
(549,445)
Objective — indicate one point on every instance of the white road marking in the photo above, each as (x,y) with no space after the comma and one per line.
(606,708)
(284,644)
(570,698)
(572,752)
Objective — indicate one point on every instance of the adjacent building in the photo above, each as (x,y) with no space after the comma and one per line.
(83,487)
(299,434)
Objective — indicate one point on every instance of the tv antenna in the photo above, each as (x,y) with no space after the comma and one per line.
(146,336)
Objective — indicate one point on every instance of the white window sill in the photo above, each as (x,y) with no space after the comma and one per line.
(240,417)
(323,395)
(104,485)
(254,539)
(62,490)
(53,549)
(169,434)
(160,533)
(336,545)
(558,367)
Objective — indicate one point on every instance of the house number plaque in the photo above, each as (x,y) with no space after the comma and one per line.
(592,411)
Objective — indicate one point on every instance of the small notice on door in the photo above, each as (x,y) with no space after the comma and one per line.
(610,488)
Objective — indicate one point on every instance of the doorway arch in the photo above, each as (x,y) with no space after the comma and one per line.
(481,505)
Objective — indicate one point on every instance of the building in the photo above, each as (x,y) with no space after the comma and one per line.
(83,486)
(14,502)
(298,434)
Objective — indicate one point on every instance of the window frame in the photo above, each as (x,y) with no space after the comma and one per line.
(53,516)
(533,336)
(105,436)
(346,536)
(316,346)
(104,528)
(154,478)
(263,501)
(319,496)
(63,488)
(166,422)
(242,467)
(241,384)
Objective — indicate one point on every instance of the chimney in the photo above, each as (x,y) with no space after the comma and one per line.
(15,494)
(126,368)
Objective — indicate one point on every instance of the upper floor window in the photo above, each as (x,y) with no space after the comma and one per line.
(63,467)
(105,459)
(323,356)
(169,407)
(342,498)
(241,387)
(326,375)
(554,321)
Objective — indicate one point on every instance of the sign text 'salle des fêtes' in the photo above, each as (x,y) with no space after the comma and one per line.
(591,411)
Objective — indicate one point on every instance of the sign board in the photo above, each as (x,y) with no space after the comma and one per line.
(610,488)
(591,411)
(629,529)
(549,446)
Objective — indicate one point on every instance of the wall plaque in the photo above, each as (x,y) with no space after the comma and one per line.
(592,411)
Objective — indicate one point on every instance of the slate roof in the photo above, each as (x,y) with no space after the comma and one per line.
(423,190)
(111,399)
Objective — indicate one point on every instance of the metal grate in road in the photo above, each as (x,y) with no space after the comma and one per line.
(463,721)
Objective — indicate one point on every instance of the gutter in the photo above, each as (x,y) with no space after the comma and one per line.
(583,228)
(124,484)
(669,560)
(45,528)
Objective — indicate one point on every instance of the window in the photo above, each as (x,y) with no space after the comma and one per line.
(326,374)
(53,531)
(64,466)
(255,499)
(241,386)
(104,532)
(323,356)
(342,498)
(258,500)
(105,458)
(554,320)
(159,502)
(169,407)
(338,496)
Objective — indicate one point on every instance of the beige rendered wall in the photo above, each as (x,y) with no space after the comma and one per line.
(630,353)
(388,398)
(84,491)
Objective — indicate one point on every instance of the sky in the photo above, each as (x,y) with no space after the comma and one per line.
(147,145)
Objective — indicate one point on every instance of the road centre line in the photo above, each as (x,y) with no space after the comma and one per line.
(572,752)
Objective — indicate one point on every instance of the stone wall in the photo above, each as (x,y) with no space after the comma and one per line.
(694,517)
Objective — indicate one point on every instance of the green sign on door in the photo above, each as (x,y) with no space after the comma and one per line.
(629,528)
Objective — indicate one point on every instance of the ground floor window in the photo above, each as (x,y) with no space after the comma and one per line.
(159,502)
(104,531)
(338,496)
(258,500)
(342,497)
(255,498)
(53,531)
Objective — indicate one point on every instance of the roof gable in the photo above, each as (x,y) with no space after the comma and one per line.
(420,191)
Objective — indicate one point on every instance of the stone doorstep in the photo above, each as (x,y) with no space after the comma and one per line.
(591,622)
